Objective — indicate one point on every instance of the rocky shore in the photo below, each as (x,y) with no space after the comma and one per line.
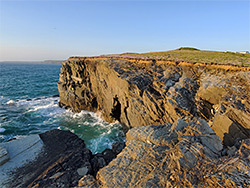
(186,124)
(139,92)
(189,123)
(55,158)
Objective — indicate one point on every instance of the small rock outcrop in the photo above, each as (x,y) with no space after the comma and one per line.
(151,92)
(182,154)
(62,161)
(17,153)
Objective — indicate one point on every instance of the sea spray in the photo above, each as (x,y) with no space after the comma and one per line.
(28,106)
(43,114)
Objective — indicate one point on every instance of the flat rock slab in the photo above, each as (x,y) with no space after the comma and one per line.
(52,159)
(56,166)
(4,157)
(19,152)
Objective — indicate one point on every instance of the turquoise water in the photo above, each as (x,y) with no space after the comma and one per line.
(28,105)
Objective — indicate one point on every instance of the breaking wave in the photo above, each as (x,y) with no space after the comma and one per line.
(33,116)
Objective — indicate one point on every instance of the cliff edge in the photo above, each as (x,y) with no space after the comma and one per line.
(140,92)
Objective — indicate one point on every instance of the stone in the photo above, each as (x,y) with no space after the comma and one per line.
(56,175)
(151,153)
(97,163)
(221,125)
(55,158)
(82,171)
(167,164)
(209,138)
(20,152)
(178,125)
(117,147)
(88,181)
(4,157)
(61,154)
(231,150)
(108,155)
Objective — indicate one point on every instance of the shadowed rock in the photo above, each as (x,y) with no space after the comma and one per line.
(147,93)
(183,154)
(62,161)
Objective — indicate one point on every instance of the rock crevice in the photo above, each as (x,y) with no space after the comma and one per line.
(153,93)
(62,160)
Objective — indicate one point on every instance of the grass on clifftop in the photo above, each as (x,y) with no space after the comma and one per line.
(187,48)
(194,55)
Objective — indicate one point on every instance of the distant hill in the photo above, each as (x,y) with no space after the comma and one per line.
(187,48)
(52,61)
(35,62)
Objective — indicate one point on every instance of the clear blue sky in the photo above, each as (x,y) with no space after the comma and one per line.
(38,30)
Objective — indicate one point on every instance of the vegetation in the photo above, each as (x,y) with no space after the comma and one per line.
(194,55)
(187,48)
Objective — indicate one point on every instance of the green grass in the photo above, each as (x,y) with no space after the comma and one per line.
(187,48)
(194,55)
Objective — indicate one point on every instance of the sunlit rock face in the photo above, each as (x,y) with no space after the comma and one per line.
(152,92)
(171,155)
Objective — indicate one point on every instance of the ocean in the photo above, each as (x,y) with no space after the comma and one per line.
(29,105)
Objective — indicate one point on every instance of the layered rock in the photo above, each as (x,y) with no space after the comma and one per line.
(61,161)
(175,155)
(139,92)
(17,153)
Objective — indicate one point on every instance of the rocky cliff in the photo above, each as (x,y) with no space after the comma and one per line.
(175,155)
(151,92)
(182,154)
(189,126)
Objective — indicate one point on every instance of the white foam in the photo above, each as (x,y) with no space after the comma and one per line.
(48,107)
(2,130)
(10,102)
(44,106)
(101,142)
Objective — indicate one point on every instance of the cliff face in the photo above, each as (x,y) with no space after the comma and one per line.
(178,155)
(138,92)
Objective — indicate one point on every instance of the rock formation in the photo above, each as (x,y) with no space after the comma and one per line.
(188,125)
(63,159)
(175,155)
(152,92)
(17,153)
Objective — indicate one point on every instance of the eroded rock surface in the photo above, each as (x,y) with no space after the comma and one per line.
(17,153)
(63,161)
(139,92)
(183,154)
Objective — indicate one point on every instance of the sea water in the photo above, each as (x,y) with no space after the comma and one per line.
(29,105)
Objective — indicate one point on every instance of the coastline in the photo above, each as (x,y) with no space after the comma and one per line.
(182,120)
